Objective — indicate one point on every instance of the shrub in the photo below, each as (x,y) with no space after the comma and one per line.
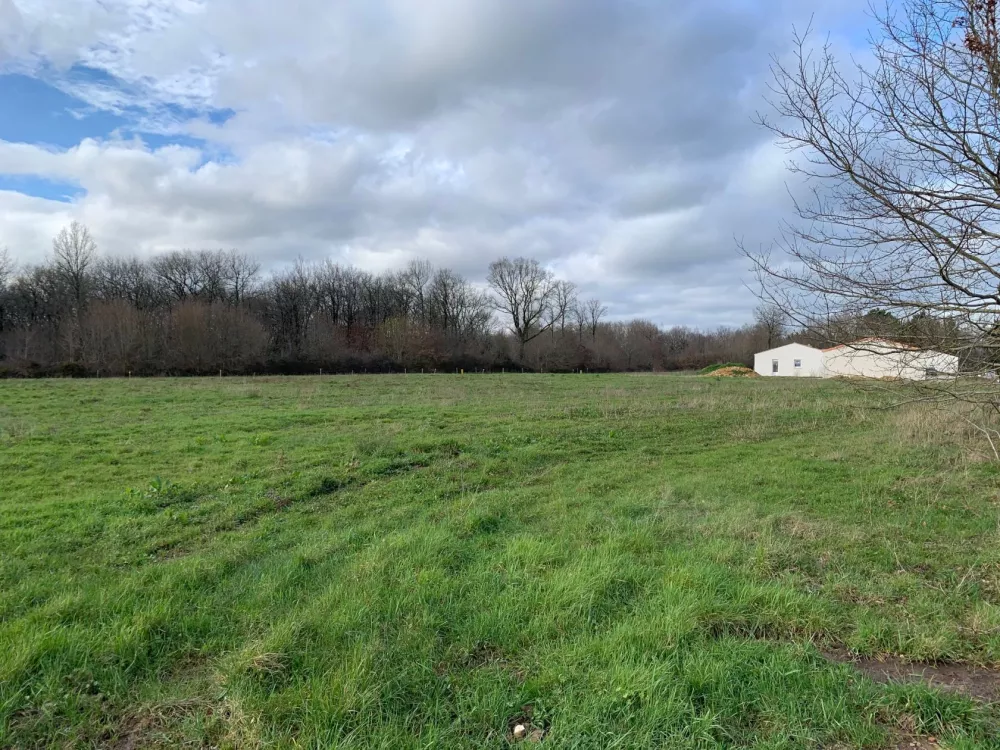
(72,370)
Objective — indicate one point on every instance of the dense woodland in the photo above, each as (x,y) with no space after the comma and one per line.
(83,313)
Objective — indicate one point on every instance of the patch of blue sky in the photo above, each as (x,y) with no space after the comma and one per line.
(32,111)
(43,109)
(40,187)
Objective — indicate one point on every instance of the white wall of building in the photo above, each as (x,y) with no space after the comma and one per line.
(864,359)
(792,360)
(885,360)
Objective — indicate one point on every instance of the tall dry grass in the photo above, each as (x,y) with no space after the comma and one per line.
(971,430)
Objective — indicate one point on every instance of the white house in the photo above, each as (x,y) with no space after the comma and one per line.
(867,358)
(791,360)
(878,358)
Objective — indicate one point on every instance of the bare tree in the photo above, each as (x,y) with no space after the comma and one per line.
(178,275)
(6,267)
(293,300)
(591,314)
(128,279)
(772,320)
(414,280)
(456,307)
(74,252)
(211,269)
(241,274)
(638,342)
(523,291)
(903,160)
(6,272)
(564,301)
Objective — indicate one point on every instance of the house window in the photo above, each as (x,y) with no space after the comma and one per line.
(774,367)
(798,364)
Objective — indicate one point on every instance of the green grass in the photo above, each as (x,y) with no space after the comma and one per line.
(409,561)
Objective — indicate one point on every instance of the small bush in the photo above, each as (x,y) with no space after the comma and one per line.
(72,370)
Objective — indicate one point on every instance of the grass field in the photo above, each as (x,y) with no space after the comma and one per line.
(404,562)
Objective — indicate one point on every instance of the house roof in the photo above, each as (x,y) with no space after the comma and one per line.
(873,340)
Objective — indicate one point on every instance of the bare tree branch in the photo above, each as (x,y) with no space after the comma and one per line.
(899,233)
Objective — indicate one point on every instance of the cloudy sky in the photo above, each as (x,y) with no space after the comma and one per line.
(613,140)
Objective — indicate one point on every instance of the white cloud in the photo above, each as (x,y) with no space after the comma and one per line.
(612,139)
(11,31)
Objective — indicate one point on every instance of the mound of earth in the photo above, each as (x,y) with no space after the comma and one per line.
(733,372)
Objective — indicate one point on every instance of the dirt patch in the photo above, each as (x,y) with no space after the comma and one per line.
(973,682)
(903,742)
(522,728)
(482,656)
(151,727)
(733,372)
(194,722)
(907,742)
(328,486)
(915,743)
(280,502)
(202,719)
(169,550)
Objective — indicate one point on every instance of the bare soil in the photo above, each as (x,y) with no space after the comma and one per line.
(733,372)
(974,682)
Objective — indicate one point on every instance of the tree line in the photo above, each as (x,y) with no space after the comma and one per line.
(201,312)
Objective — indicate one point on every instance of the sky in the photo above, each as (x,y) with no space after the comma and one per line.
(612,140)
